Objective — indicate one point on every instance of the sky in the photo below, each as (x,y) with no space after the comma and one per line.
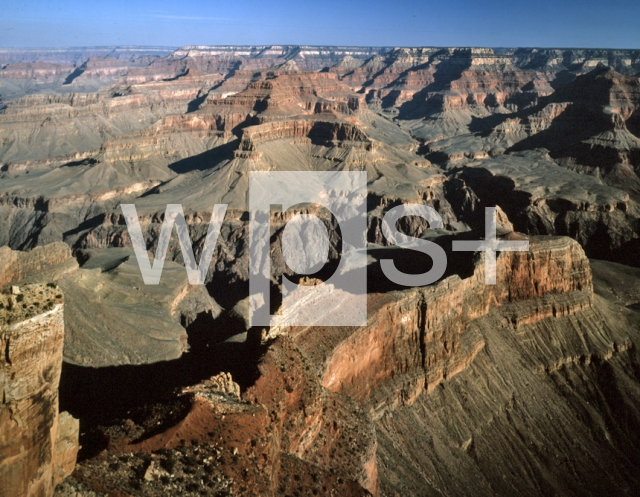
(489,23)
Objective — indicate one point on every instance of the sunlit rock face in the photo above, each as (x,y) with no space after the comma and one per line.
(529,386)
(38,445)
(417,338)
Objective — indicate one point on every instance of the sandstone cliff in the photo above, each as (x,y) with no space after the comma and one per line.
(441,376)
(417,338)
(37,444)
(543,408)
(173,121)
(525,387)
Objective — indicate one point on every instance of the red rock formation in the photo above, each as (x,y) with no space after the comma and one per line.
(16,266)
(279,93)
(164,132)
(37,446)
(319,391)
(416,338)
(278,440)
(316,425)
(326,131)
(35,70)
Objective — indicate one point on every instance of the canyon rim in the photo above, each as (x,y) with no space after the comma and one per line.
(222,273)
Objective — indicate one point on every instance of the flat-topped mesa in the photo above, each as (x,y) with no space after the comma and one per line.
(262,57)
(16,266)
(416,338)
(334,132)
(38,446)
(280,92)
(35,70)
(97,67)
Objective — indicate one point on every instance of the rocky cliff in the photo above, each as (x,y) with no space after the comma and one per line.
(419,337)
(551,397)
(38,445)
(165,120)
(522,387)
(441,376)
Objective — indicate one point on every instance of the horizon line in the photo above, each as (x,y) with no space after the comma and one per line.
(267,45)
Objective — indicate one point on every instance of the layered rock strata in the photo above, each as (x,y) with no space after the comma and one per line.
(38,446)
(546,407)
(417,338)
(337,399)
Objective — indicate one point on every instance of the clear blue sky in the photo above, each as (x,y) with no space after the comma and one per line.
(494,23)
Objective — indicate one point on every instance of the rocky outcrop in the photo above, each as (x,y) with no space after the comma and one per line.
(540,197)
(65,450)
(416,338)
(324,131)
(38,446)
(528,415)
(346,403)
(243,445)
(278,93)
(16,266)
(316,425)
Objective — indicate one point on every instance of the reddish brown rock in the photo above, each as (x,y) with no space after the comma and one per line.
(281,92)
(16,266)
(416,338)
(38,446)
(291,436)
(35,70)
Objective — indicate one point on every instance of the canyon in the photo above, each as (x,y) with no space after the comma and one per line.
(113,387)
